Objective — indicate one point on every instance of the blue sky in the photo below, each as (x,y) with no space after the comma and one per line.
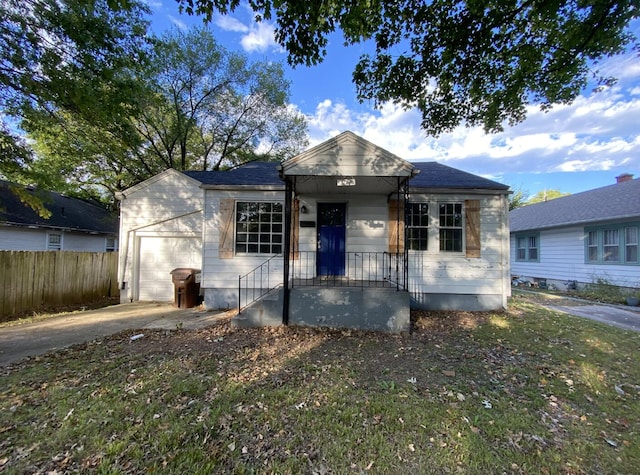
(572,148)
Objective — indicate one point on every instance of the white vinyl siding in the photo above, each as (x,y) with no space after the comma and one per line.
(564,256)
(166,207)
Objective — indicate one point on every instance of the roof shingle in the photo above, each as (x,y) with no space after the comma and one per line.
(617,201)
(66,212)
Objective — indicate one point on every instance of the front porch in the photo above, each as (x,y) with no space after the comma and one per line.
(371,294)
(343,261)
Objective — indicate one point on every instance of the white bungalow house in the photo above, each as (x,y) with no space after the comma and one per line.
(345,234)
(578,239)
(73,224)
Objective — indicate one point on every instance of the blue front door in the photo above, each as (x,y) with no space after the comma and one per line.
(331,238)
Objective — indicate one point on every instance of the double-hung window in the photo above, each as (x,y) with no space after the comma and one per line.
(450,227)
(613,244)
(527,247)
(54,242)
(417,226)
(259,228)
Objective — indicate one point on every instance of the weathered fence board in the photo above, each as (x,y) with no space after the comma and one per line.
(34,280)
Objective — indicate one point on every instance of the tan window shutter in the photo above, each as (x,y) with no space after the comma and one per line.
(225,249)
(295,230)
(472,211)
(396,227)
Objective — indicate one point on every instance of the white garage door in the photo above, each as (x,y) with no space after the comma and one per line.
(158,257)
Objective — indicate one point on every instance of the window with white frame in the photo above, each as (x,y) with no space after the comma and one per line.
(417,222)
(259,228)
(110,245)
(54,241)
(450,215)
(527,247)
(631,244)
(612,244)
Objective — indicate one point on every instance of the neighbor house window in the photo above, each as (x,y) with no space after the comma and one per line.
(527,247)
(450,227)
(631,245)
(54,241)
(259,228)
(613,244)
(110,244)
(417,226)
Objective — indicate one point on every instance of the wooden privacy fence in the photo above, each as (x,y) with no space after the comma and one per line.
(35,280)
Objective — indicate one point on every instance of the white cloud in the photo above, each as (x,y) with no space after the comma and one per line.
(229,23)
(259,38)
(255,36)
(179,23)
(597,132)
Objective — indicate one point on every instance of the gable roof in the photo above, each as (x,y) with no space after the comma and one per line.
(613,202)
(436,175)
(66,213)
(250,174)
(168,173)
(431,175)
(347,155)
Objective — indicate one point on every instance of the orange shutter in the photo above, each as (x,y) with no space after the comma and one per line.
(225,249)
(396,227)
(295,230)
(472,211)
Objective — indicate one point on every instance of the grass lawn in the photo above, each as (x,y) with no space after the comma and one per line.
(525,391)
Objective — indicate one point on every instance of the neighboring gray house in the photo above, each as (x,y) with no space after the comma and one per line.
(585,237)
(360,234)
(74,224)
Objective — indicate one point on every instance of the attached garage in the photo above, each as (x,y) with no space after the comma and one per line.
(158,256)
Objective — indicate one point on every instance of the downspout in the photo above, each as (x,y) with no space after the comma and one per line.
(287,248)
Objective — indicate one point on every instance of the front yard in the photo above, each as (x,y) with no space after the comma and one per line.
(527,391)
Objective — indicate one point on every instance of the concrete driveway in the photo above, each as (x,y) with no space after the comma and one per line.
(30,339)
(610,314)
(621,316)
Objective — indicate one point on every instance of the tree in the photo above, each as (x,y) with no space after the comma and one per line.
(472,63)
(67,69)
(546,195)
(213,108)
(196,107)
(518,199)
(66,60)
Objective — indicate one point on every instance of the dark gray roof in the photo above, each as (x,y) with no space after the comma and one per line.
(254,173)
(613,202)
(432,175)
(436,175)
(66,213)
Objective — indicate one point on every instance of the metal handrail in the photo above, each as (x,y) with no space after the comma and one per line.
(250,277)
(362,269)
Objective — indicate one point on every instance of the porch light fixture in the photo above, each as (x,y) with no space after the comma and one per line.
(303,209)
(346,181)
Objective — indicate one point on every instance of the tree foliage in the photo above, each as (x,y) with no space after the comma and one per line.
(518,199)
(212,108)
(546,195)
(197,107)
(472,63)
(66,58)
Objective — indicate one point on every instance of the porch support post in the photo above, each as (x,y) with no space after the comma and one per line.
(287,249)
(398,234)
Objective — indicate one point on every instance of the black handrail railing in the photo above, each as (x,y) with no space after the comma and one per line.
(256,278)
(362,269)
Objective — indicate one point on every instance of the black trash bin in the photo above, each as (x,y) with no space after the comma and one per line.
(186,283)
